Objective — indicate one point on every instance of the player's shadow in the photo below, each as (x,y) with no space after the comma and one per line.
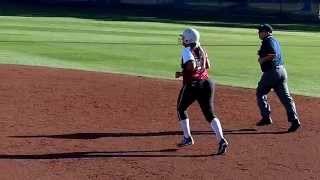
(147,134)
(124,154)
(105,154)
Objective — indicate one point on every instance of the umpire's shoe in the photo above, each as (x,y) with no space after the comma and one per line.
(294,126)
(223,145)
(186,142)
(264,122)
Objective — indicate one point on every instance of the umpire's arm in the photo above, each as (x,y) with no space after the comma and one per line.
(268,57)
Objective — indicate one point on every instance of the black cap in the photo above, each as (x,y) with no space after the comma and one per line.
(265,28)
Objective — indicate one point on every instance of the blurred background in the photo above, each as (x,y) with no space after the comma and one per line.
(303,10)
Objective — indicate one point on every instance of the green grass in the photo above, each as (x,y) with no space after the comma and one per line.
(152,49)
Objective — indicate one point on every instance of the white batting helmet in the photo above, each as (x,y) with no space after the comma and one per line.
(190,35)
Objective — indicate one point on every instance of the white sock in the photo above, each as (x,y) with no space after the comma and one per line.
(185,128)
(216,127)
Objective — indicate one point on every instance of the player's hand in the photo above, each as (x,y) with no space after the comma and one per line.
(178,74)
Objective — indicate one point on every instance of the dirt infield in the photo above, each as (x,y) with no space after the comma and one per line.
(73,125)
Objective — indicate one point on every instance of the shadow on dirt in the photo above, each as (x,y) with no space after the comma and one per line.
(129,153)
(147,134)
(107,154)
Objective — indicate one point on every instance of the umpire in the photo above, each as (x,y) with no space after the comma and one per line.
(274,77)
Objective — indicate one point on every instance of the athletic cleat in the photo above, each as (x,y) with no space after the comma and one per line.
(223,145)
(264,122)
(294,126)
(186,142)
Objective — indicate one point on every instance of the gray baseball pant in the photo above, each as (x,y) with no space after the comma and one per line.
(275,79)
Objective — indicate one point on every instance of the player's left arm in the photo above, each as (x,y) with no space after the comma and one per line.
(208,65)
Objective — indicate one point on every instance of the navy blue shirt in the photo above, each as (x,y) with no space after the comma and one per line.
(270,45)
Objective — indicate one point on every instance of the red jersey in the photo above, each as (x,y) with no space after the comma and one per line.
(200,57)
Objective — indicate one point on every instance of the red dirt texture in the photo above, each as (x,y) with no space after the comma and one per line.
(77,125)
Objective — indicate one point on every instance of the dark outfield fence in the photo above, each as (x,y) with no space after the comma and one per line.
(306,10)
(284,8)
(289,8)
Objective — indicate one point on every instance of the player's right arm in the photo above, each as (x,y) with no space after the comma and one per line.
(188,67)
(187,62)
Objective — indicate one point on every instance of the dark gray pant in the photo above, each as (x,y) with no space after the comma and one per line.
(275,79)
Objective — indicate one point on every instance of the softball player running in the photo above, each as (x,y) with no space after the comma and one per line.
(196,86)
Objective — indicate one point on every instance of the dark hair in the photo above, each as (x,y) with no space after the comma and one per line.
(192,45)
(265,28)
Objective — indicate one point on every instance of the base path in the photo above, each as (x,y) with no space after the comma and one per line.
(78,125)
